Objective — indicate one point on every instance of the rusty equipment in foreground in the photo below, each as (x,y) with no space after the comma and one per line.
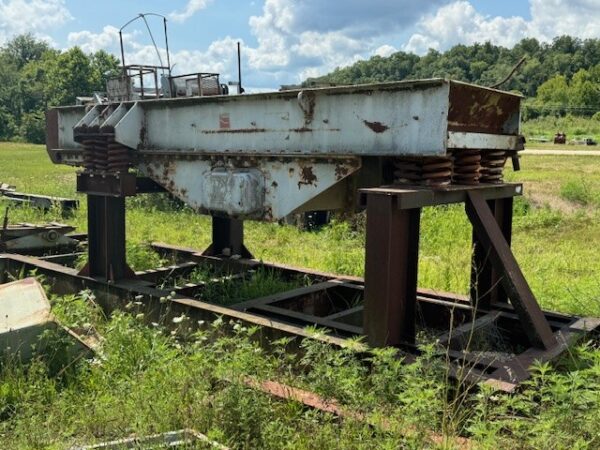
(392,148)
(44,202)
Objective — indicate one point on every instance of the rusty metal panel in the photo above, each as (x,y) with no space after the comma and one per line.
(384,119)
(270,190)
(482,110)
(423,118)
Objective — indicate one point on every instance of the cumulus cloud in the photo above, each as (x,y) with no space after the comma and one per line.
(459,22)
(312,37)
(384,50)
(91,42)
(192,7)
(34,16)
(299,39)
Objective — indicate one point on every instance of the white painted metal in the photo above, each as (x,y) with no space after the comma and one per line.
(235,192)
(23,304)
(483,141)
(269,191)
(389,120)
(25,318)
(67,118)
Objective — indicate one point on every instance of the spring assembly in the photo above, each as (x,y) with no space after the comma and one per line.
(467,166)
(427,171)
(492,166)
(88,153)
(117,155)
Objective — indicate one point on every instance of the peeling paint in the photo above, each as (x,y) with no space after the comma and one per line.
(307,177)
(376,126)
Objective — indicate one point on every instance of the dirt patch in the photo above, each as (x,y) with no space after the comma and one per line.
(541,199)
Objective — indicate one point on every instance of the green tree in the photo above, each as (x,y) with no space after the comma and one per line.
(554,92)
(33,127)
(25,48)
(69,75)
(103,66)
(584,91)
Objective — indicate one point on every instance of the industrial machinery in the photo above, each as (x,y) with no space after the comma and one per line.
(390,148)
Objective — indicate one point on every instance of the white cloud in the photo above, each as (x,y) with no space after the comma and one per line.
(298,39)
(459,22)
(192,7)
(91,42)
(312,37)
(384,50)
(34,16)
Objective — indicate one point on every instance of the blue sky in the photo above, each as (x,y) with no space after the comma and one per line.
(284,41)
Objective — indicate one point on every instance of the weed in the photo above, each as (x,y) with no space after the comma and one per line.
(576,191)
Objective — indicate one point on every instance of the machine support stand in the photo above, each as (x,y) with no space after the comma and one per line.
(391,262)
(227,238)
(494,243)
(106,239)
(486,286)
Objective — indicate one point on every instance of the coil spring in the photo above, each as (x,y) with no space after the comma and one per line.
(88,154)
(492,166)
(117,156)
(467,166)
(428,171)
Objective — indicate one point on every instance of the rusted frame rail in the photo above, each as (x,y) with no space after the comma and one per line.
(469,367)
(437,307)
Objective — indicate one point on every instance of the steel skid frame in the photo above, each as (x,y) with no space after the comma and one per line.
(386,306)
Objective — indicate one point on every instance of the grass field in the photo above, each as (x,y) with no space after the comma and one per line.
(148,381)
(576,128)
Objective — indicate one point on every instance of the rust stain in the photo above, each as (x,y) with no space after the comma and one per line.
(143,135)
(307,177)
(376,126)
(341,171)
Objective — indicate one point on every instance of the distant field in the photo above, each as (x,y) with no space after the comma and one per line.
(576,128)
(551,146)
(146,381)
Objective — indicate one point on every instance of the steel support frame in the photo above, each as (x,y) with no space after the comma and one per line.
(391,265)
(504,375)
(227,238)
(391,262)
(392,231)
(486,286)
(106,238)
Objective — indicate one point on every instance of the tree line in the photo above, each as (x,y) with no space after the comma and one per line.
(557,78)
(34,77)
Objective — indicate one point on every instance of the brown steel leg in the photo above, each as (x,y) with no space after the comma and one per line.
(486,286)
(227,238)
(392,251)
(503,261)
(106,238)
